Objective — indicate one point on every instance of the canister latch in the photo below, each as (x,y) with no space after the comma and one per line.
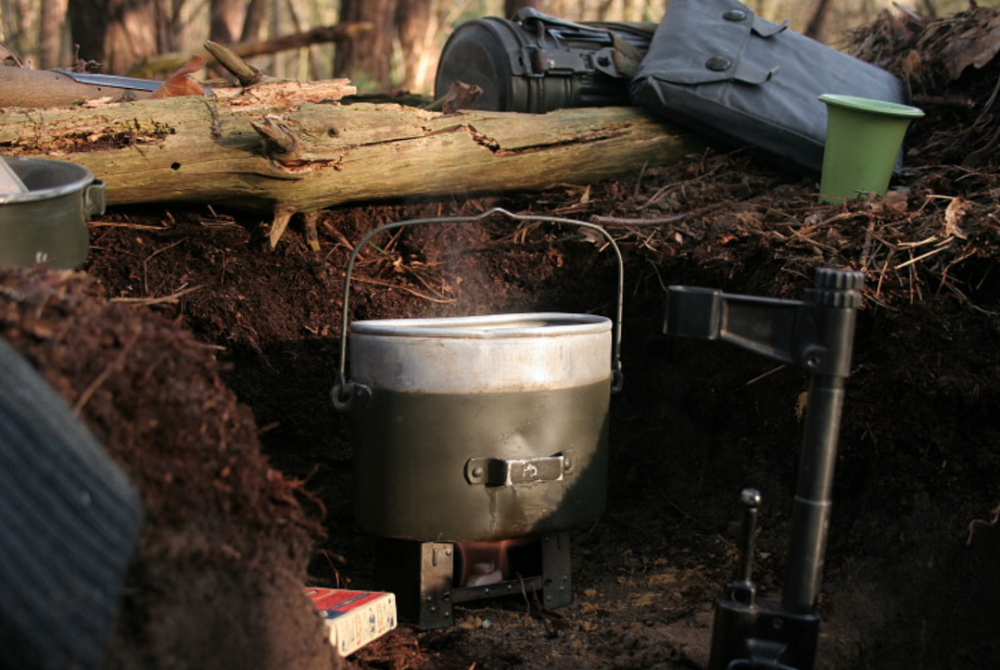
(489,471)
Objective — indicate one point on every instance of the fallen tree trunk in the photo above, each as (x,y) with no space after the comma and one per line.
(24,87)
(230,151)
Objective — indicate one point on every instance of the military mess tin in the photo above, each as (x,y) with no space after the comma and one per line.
(48,222)
(479,442)
(537,63)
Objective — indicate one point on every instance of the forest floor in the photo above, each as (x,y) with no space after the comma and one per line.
(204,361)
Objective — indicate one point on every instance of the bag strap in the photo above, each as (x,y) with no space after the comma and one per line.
(619,58)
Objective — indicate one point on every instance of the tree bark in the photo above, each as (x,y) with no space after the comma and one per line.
(116,33)
(510,7)
(367,59)
(417,24)
(227,151)
(50,39)
(256,15)
(817,22)
(226,20)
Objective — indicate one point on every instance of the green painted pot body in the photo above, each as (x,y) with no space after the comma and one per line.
(481,428)
(863,141)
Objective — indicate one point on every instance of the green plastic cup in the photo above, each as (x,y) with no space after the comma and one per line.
(863,139)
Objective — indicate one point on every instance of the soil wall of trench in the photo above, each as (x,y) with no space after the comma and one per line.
(910,577)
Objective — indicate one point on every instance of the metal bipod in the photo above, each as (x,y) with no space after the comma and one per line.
(815,334)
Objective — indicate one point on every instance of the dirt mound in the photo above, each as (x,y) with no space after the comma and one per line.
(223,531)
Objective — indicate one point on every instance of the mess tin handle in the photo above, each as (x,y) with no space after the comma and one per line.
(346,395)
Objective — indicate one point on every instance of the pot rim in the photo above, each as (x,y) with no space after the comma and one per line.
(490,326)
(76,185)
(872,106)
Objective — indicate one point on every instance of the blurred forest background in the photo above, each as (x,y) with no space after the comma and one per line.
(381,45)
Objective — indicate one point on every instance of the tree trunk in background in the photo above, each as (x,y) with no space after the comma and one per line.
(417,22)
(510,7)
(256,15)
(87,28)
(50,38)
(116,33)
(367,60)
(227,18)
(817,21)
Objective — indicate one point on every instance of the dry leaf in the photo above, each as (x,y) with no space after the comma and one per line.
(953,215)
(977,46)
(896,200)
(180,83)
(912,63)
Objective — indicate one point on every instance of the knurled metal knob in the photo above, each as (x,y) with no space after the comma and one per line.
(837,288)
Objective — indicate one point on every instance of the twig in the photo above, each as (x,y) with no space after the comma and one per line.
(818,245)
(656,221)
(341,238)
(135,226)
(866,248)
(921,257)
(913,245)
(174,297)
(766,374)
(425,283)
(145,263)
(379,282)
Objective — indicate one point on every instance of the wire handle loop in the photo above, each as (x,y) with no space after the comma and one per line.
(343,392)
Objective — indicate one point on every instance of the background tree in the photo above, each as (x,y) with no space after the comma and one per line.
(367,59)
(117,33)
(817,23)
(254,22)
(401,52)
(226,20)
(51,42)
(510,7)
(418,25)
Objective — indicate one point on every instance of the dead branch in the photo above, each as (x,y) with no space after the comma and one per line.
(150,67)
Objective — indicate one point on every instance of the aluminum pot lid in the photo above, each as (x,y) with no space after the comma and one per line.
(537,324)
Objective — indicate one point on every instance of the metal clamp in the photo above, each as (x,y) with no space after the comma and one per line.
(348,395)
(490,471)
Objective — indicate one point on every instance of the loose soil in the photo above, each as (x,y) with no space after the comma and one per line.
(203,360)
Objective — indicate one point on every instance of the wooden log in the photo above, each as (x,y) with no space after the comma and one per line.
(24,87)
(228,152)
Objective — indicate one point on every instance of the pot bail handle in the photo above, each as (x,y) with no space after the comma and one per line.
(347,395)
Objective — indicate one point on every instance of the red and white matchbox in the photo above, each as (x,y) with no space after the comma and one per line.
(354,618)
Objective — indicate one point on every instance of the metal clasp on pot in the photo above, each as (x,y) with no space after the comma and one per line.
(491,471)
